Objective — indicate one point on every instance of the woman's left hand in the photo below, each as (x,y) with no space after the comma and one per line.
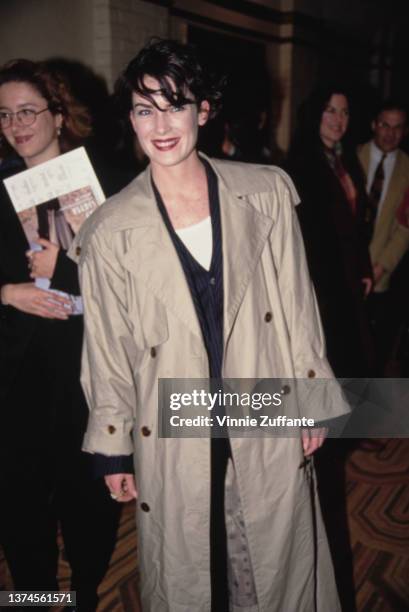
(42,263)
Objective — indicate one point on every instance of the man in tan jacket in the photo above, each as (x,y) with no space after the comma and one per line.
(387,171)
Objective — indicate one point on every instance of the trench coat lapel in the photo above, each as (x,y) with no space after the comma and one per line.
(152,258)
(244,233)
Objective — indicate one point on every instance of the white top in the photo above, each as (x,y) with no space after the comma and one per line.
(388,166)
(198,239)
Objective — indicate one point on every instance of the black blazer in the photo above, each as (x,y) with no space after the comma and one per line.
(336,242)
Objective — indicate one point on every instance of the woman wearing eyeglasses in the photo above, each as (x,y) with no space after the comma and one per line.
(44,476)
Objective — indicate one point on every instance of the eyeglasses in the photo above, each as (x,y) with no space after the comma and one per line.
(393,128)
(25,116)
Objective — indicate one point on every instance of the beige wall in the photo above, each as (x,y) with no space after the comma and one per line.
(37,29)
(103,34)
(133,23)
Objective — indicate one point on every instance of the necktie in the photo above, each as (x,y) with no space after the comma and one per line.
(374,196)
(377,186)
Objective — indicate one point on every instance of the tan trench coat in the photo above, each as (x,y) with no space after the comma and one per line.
(141,325)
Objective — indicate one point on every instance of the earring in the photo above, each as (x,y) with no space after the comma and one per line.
(59,132)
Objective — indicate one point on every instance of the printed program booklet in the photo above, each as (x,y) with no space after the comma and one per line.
(53,199)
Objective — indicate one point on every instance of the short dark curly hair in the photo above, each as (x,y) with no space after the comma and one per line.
(391,104)
(54,88)
(179,72)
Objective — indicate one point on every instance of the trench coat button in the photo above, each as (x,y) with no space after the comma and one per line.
(145,507)
(111,429)
(268,317)
(78,250)
(285,390)
(145,431)
(311,373)
(153,352)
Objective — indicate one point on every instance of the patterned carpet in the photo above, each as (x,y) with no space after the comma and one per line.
(378,511)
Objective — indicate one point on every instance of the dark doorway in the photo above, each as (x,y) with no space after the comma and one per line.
(247,96)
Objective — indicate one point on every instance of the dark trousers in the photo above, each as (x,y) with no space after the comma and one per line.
(330,461)
(45,478)
(34,499)
(220,452)
(385,324)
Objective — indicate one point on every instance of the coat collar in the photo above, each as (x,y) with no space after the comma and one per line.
(152,257)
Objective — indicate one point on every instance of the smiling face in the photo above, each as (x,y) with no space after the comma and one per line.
(35,143)
(167,134)
(334,120)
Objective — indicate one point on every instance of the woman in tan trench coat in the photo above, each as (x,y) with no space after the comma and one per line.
(142,325)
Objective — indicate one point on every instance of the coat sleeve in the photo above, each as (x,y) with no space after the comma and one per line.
(108,351)
(311,180)
(398,242)
(321,400)
(296,290)
(395,248)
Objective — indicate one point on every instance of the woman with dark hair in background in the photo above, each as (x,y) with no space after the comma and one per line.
(44,476)
(332,214)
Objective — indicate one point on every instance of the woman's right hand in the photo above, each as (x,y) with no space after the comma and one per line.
(122,487)
(29,298)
